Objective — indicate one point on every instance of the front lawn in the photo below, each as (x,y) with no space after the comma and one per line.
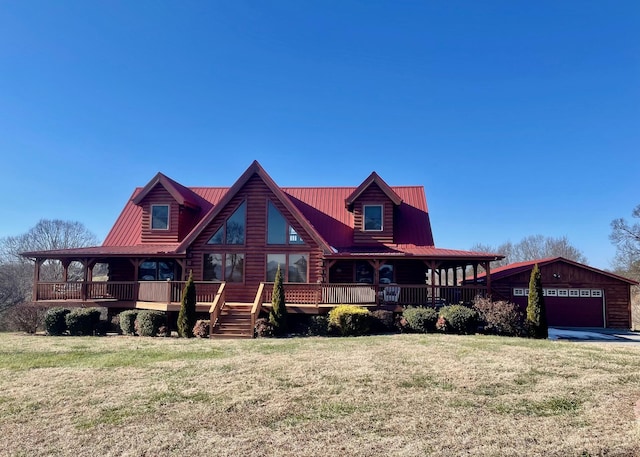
(405,395)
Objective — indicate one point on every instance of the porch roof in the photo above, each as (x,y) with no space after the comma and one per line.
(410,250)
(147,250)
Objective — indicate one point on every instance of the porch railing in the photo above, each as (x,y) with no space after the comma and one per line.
(370,294)
(148,291)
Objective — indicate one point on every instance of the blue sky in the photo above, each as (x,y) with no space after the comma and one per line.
(519,118)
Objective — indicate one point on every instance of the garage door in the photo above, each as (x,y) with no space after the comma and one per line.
(569,307)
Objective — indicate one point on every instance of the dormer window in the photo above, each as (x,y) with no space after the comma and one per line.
(372,218)
(159,217)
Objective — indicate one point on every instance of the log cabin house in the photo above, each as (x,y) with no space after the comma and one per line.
(369,245)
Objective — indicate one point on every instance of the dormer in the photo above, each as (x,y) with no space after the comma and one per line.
(169,210)
(373,205)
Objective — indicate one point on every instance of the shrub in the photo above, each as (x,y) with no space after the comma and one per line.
(349,320)
(264,328)
(278,313)
(318,325)
(54,321)
(457,319)
(127,321)
(24,317)
(201,329)
(383,321)
(499,317)
(187,314)
(420,320)
(536,310)
(148,322)
(83,321)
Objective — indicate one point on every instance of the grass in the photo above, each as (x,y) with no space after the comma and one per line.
(404,395)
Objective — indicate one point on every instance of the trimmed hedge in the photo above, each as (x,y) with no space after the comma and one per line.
(318,325)
(420,320)
(349,320)
(457,319)
(54,321)
(148,322)
(83,321)
(127,321)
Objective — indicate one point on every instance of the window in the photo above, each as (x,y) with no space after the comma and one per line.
(386,274)
(151,270)
(233,230)
(160,217)
(229,266)
(364,272)
(294,267)
(278,230)
(373,218)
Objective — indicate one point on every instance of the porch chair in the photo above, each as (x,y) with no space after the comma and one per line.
(391,294)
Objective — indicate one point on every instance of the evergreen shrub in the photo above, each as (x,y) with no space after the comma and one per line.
(420,320)
(148,322)
(83,321)
(54,321)
(349,320)
(457,319)
(127,321)
(383,321)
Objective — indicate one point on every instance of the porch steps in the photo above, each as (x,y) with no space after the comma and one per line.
(234,321)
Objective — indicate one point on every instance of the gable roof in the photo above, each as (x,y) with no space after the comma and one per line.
(254,169)
(181,194)
(373,178)
(519,267)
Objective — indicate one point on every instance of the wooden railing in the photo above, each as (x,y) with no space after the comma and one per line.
(216,307)
(171,291)
(94,290)
(257,305)
(369,294)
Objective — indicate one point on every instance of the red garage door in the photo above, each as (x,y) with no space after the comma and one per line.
(567,311)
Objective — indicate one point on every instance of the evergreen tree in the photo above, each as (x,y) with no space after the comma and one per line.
(278,314)
(187,315)
(536,311)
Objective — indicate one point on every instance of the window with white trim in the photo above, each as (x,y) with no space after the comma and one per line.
(159,217)
(372,216)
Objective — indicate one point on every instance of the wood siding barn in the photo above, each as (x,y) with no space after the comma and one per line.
(576,295)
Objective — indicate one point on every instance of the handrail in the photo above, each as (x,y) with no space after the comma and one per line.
(257,305)
(216,307)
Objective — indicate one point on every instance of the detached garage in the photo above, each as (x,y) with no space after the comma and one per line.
(576,295)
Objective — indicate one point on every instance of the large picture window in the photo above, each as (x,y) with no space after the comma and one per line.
(278,230)
(234,229)
(228,267)
(152,270)
(294,267)
(159,217)
(372,218)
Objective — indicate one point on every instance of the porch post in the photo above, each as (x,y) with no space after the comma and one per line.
(487,267)
(36,279)
(65,269)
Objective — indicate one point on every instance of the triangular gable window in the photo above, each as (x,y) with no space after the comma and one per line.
(233,231)
(278,230)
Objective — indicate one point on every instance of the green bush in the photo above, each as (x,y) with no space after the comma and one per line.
(127,321)
(187,314)
(201,329)
(349,320)
(148,322)
(499,317)
(54,321)
(420,320)
(457,319)
(278,313)
(318,325)
(383,321)
(83,321)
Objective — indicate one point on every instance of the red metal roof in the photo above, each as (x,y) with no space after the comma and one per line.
(321,209)
(98,251)
(518,267)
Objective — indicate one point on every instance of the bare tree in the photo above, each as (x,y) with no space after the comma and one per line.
(533,247)
(626,237)
(16,272)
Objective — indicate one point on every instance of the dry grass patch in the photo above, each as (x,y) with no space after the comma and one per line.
(399,395)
